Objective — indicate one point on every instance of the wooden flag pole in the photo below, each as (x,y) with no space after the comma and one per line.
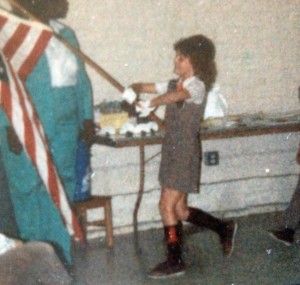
(85,58)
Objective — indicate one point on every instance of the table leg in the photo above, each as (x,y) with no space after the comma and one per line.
(141,191)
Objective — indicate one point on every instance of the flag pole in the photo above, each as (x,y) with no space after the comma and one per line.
(85,58)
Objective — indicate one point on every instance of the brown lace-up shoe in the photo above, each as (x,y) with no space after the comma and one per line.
(167,269)
(227,238)
(285,236)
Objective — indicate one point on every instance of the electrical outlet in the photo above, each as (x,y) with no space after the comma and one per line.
(211,158)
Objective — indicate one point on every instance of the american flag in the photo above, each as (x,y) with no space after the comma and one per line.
(22,43)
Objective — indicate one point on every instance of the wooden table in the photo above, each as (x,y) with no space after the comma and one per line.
(254,128)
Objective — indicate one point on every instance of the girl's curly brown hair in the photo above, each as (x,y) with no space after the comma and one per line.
(201,51)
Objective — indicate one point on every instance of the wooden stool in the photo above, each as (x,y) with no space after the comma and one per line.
(94,202)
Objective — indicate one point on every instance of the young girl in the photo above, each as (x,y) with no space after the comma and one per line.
(179,172)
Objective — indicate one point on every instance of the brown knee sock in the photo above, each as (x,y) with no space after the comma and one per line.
(203,219)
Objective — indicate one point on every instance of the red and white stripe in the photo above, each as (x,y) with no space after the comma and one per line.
(22,43)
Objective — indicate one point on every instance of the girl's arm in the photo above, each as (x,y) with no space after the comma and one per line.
(144,88)
(169,98)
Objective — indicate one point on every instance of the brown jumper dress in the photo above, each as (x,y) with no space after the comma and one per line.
(181,150)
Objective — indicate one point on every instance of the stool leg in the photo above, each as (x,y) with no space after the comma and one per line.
(83,223)
(108,223)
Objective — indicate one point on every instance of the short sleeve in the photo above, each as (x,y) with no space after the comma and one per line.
(196,89)
(161,87)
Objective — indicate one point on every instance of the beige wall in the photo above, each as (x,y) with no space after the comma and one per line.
(257,44)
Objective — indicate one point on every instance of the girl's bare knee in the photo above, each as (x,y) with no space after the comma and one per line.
(182,213)
(165,207)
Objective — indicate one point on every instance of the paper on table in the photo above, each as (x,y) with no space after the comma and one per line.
(216,106)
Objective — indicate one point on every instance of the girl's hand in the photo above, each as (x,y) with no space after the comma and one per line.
(143,108)
(129,95)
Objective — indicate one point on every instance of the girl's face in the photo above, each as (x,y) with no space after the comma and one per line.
(183,66)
